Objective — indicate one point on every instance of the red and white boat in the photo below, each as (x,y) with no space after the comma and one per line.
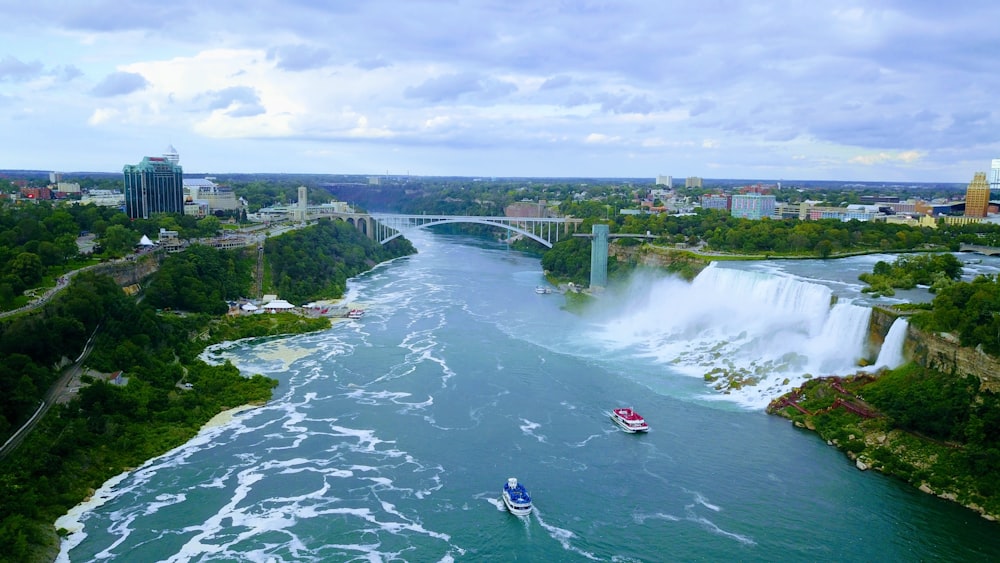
(629,420)
(355,313)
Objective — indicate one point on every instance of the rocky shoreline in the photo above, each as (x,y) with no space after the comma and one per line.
(834,408)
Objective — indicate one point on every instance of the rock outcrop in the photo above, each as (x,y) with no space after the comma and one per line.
(945,353)
(683,262)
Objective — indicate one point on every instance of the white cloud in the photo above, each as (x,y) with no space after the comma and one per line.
(872,159)
(601,139)
(850,89)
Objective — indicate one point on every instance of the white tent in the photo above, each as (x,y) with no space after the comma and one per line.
(144,241)
(278,305)
(248,307)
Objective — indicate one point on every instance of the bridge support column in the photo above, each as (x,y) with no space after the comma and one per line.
(599,256)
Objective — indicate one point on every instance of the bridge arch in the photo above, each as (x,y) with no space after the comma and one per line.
(396,225)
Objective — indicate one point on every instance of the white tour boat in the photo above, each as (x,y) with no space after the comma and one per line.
(629,420)
(515,498)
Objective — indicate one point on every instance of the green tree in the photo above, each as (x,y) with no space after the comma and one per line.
(118,241)
(27,268)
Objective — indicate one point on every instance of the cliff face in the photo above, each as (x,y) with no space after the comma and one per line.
(879,325)
(939,351)
(944,353)
(679,261)
(130,271)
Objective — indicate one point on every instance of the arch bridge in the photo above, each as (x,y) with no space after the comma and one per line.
(545,230)
(980,249)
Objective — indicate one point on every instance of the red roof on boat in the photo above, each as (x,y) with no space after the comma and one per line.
(628,414)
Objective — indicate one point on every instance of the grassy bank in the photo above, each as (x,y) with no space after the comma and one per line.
(908,423)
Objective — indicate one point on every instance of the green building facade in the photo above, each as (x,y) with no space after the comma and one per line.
(155,185)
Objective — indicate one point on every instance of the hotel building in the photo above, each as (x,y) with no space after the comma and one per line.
(155,185)
(977,196)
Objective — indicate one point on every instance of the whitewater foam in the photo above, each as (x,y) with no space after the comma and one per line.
(752,335)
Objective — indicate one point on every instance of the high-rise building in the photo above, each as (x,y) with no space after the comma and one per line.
(155,185)
(977,196)
(995,174)
(692,182)
(667,181)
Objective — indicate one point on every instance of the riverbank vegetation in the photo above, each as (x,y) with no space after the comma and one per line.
(939,432)
(970,310)
(107,428)
(936,271)
(315,263)
(165,394)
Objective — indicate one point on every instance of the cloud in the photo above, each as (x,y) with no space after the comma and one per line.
(601,139)
(119,84)
(623,103)
(237,101)
(66,73)
(556,82)
(452,86)
(871,159)
(372,63)
(300,57)
(13,70)
(826,81)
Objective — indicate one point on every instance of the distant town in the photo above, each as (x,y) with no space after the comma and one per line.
(157,184)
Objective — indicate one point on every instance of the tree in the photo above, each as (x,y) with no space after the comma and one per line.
(27,268)
(824,248)
(119,241)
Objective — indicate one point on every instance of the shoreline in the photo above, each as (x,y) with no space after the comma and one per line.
(870,443)
(70,522)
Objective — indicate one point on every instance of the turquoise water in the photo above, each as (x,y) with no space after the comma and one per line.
(390,438)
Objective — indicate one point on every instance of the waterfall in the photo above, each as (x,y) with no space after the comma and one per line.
(891,354)
(770,330)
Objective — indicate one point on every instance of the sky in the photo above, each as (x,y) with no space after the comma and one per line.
(876,90)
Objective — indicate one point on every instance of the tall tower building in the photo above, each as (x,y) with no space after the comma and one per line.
(977,196)
(995,174)
(155,185)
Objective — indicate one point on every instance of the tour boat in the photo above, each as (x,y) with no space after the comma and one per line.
(355,313)
(542,290)
(516,498)
(629,420)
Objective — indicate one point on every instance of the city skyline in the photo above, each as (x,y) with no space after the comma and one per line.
(901,92)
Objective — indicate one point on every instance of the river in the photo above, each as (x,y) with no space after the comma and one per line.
(389,437)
